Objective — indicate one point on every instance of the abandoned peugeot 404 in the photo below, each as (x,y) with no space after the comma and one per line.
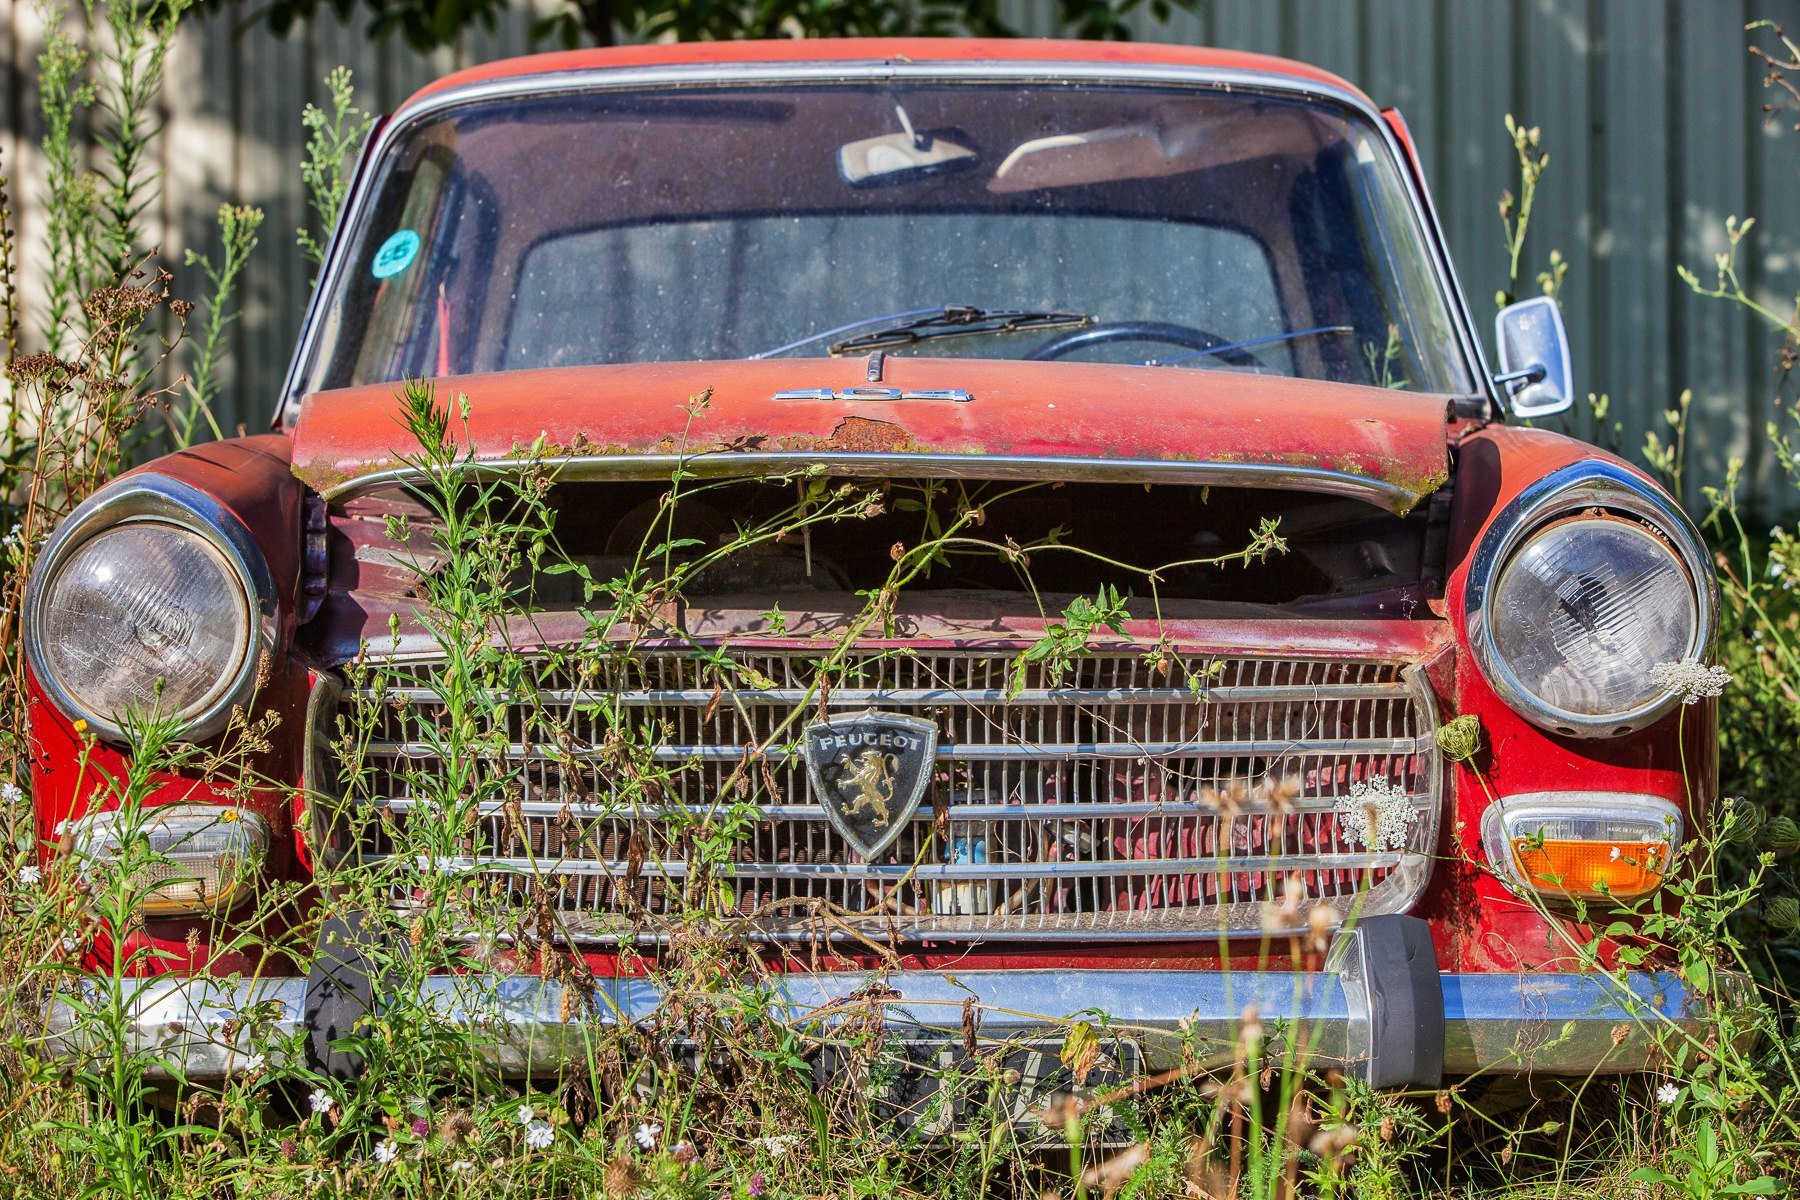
(1003,531)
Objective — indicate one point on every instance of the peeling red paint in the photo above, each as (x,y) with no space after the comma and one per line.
(1031,409)
(899,50)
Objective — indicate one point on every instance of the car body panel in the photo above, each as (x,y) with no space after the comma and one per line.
(1031,410)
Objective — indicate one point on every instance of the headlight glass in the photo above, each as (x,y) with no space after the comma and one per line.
(1586,608)
(141,605)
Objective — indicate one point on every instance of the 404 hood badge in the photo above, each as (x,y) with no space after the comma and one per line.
(877,394)
(869,771)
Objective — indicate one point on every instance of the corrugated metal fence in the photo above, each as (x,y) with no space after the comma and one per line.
(1650,111)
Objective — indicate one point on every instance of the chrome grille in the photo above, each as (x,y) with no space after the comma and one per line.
(1130,797)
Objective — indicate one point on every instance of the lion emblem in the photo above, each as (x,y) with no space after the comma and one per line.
(867,782)
(870,771)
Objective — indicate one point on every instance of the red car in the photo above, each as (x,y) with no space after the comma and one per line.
(1252,522)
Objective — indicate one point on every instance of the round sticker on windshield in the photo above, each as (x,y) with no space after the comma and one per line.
(396,254)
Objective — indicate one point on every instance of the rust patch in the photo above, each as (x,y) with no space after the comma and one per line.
(861,435)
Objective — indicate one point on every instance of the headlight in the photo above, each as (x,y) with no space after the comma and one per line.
(189,857)
(149,599)
(1586,584)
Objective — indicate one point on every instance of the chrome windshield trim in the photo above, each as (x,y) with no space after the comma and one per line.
(1379,492)
(861,71)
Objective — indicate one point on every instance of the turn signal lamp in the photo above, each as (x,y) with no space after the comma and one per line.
(180,858)
(1582,845)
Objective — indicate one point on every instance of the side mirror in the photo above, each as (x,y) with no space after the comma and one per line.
(1534,358)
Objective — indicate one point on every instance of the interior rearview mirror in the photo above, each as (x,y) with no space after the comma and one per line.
(900,157)
(1534,358)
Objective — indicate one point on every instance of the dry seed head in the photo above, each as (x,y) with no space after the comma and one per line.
(458,1127)
(1319,924)
(32,367)
(621,1178)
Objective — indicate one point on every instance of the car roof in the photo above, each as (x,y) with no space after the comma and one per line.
(911,50)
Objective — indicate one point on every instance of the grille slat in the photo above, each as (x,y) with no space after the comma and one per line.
(1107,800)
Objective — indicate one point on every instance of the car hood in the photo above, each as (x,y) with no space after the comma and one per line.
(1069,420)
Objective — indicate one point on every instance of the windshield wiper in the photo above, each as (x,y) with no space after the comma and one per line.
(1270,340)
(959,320)
(924,324)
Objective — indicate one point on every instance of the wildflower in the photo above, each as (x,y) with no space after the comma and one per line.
(527,1114)
(683,1152)
(757,1184)
(1690,679)
(30,876)
(646,1135)
(1614,856)
(10,793)
(539,1135)
(255,1063)
(1461,738)
(462,1164)
(80,725)
(1375,814)
(420,1127)
(1668,1093)
(321,1100)
(778,1145)
(386,1152)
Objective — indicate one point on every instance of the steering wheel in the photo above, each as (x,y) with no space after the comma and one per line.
(1185,336)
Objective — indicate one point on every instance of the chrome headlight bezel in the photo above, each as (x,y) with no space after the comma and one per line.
(152,498)
(1570,491)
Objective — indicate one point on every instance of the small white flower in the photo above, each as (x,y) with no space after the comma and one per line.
(1615,854)
(462,1164)
(386,1152)
(255,1063)
(10,793)
(539,1135)
(646,1135)
(1376,815)
(321,1100)
(527,1114)
(1668,1093)
(1690,679)
(778,1145)
(30,876)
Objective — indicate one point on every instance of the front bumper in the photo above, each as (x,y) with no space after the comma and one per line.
(1559,1024)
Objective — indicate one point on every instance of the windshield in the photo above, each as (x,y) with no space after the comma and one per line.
(1199,231)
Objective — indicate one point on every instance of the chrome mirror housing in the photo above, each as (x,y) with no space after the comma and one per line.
(1534,358)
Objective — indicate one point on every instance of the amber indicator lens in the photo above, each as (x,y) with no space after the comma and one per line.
(1582,844)
(179,858)
(1622,869)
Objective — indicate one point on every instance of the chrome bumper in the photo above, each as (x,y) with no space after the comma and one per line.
(1557,1024)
